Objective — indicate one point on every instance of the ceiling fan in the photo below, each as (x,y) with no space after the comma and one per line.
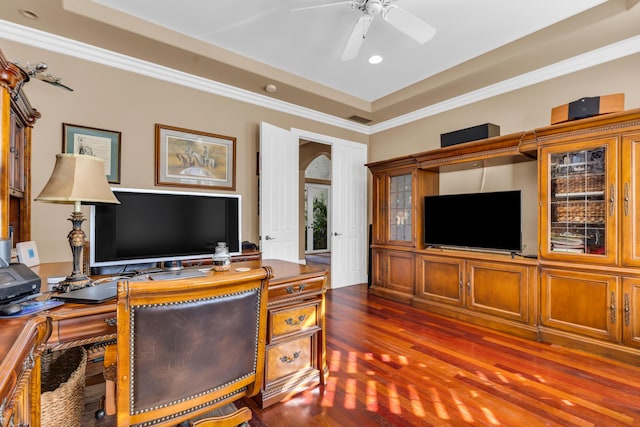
(401,19)
(39,71)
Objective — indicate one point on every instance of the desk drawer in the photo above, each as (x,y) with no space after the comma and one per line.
(289,357)
(90,328)
(296,289)
(294,319)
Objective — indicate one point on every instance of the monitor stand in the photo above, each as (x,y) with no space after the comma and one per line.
(172,265)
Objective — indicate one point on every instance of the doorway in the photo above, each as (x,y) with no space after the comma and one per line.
(282,225)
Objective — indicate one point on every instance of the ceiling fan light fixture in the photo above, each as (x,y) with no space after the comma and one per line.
(373,7)
(375,59)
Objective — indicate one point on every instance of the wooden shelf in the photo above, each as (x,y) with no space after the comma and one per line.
(496,151)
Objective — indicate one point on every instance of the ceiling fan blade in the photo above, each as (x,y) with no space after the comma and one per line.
(408,23)
(58,84)
(318,6)
(357,37)
(52,80)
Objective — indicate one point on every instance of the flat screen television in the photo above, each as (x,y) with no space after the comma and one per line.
(150,226)
(486,221)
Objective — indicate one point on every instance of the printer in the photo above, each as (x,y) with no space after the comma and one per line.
(17,281)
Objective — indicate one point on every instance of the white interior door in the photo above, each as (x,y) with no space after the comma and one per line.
(278,193)
(349,214)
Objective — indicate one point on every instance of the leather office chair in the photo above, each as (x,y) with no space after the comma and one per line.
(186,347)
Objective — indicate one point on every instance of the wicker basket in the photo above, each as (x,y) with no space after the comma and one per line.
(579,184)
(581,212)
(62,398)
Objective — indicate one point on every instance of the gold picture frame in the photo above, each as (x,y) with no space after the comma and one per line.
(189,158)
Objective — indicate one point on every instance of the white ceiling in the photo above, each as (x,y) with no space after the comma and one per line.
(309,43)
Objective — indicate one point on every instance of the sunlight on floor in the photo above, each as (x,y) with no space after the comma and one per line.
(375,389)
(380,395)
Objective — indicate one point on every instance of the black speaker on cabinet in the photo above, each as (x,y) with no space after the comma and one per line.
(473,133)
(584,107)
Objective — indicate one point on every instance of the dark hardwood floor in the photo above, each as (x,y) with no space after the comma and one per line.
(393,365)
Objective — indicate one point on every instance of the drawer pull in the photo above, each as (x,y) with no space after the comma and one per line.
(627,310)
(292,322)
(612,199)
(111,321)
(614,308)
(292,289)
(287,359)
(626,199)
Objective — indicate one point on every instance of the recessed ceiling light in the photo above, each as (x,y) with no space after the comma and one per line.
(28,14)
(375,59)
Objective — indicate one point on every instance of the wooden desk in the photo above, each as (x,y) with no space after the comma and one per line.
(296,357)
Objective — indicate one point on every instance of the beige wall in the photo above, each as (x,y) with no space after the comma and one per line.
(112,99)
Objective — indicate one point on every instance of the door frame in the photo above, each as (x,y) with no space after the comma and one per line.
(299,134)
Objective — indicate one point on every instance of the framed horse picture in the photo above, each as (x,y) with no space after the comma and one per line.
(189,158)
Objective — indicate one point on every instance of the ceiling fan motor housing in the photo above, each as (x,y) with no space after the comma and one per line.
(373,7)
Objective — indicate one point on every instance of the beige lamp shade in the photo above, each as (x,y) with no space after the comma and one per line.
(77,178)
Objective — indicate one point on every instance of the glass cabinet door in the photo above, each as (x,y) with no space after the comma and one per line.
(399,208)
(581,202)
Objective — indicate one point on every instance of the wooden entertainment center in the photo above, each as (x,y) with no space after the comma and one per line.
(582,290)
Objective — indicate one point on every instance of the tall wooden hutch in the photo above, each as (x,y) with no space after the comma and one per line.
(583,290)
(17,120)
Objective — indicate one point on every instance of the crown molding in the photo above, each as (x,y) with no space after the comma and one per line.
(52,42)
(590,59)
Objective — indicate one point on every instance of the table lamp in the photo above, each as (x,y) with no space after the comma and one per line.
(77,179)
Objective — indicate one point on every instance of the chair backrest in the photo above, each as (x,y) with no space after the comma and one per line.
(186,347)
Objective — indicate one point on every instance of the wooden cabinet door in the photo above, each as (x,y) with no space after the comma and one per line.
(582,303)
(400,208)
(399,271)
(631,311)
(503,290)
(377,268)
(440,279)
(394,207)
(579,201)
(630,200)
